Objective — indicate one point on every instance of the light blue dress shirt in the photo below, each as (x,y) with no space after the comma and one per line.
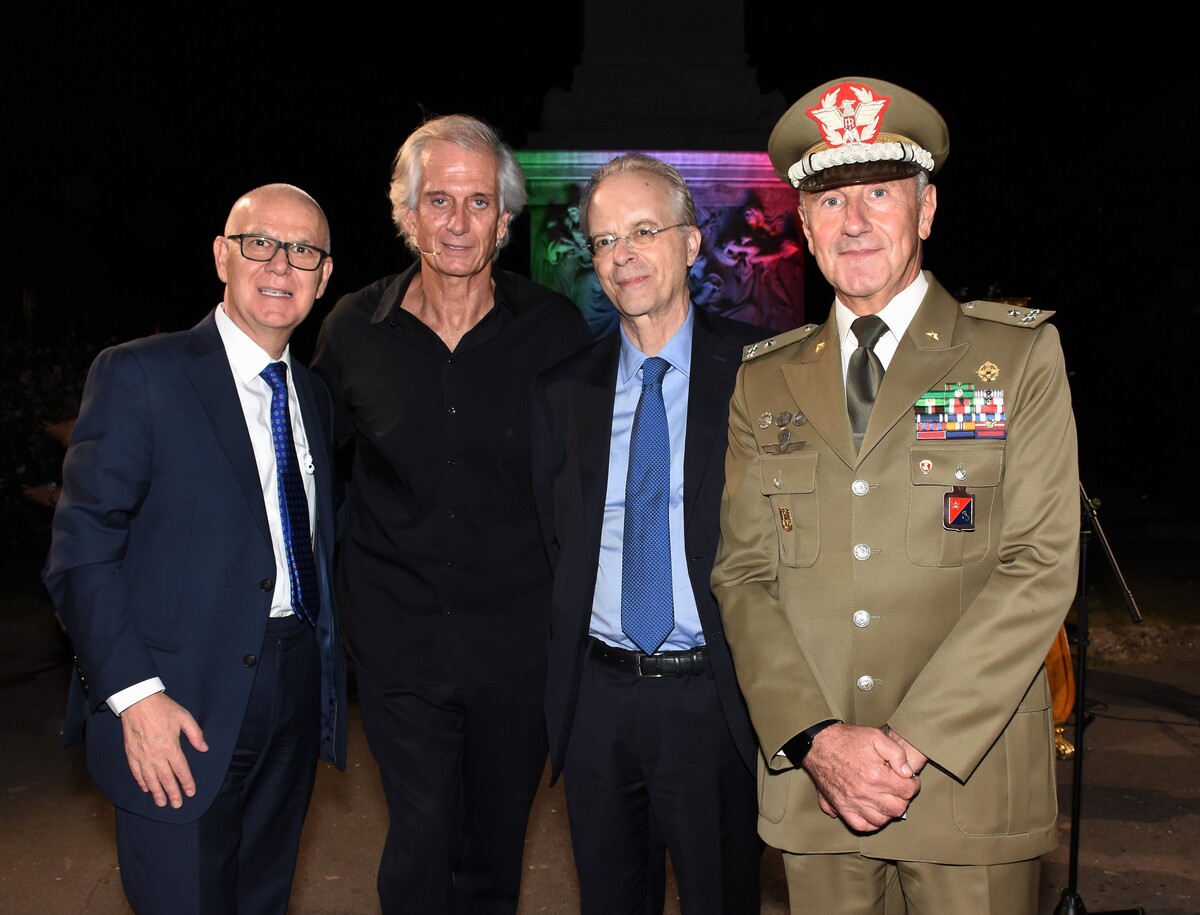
(606,602)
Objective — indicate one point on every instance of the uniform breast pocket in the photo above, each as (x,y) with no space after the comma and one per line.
(790,483)
(953,498)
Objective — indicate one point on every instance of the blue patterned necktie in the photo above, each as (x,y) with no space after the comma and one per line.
(293,505)
(647,606)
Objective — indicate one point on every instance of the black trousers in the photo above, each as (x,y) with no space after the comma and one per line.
(651,769)
(240,855)
(460,769)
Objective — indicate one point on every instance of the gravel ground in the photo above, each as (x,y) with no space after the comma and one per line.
(1147,642)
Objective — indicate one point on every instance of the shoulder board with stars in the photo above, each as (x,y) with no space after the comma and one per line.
(1003,313)
(778,341)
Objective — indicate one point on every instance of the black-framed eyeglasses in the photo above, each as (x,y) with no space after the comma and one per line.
(263,247)
(604,245)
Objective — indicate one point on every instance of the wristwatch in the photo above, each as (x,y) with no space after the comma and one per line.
(797,748)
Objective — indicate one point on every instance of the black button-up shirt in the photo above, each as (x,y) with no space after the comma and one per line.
(442,575)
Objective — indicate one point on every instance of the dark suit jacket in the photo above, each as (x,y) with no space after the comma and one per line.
(161,562)
(571,429)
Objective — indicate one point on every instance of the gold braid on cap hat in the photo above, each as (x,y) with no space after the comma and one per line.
(887,147)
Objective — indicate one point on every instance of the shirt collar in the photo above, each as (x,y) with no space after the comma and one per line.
(678,350)
(897,314)
(397,285)
(246,358)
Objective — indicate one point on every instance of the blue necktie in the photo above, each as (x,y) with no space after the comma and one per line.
(293,506)
(647,606)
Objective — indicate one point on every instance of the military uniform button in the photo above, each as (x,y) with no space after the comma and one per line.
(860,487)
(862,619)
(960,474)
(862,552)
(865,683)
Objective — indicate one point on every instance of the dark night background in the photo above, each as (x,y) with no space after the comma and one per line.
(1068,179)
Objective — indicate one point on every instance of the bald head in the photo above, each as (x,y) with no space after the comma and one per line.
(276,192)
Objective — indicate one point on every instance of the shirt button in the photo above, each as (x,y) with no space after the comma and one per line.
(860,487)
(862,552)
(862,619)
(865,683)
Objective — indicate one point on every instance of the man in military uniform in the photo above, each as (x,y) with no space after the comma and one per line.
(899,542)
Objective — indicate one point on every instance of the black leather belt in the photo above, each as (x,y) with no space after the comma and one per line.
(662,664)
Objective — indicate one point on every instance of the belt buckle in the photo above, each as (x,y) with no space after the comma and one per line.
(642,656)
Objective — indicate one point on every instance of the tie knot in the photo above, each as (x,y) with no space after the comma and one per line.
(276,375)
(653,370)
(868,329)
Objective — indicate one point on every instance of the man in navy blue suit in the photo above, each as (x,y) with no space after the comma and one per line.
(210,672)
(649,730)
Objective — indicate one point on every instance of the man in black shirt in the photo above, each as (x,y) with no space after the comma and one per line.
(444,585)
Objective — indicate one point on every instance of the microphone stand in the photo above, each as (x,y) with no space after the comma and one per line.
(1071,903)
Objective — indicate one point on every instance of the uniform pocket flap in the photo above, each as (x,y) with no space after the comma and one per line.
(971,465)
(789,473)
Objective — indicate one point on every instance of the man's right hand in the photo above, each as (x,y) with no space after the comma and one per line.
(152,746)
(862,776)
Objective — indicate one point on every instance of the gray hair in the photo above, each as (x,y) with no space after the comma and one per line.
(465,132)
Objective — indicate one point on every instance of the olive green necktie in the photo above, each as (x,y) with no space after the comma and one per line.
(864,374)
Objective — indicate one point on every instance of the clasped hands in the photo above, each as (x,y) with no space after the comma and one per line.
(865,776)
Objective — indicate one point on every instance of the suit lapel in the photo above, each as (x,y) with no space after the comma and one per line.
(595,409)
(212,379)
(815,382)
(315,430)
(708,408)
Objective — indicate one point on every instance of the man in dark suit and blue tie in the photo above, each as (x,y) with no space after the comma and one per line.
(190,565)
(645,720)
